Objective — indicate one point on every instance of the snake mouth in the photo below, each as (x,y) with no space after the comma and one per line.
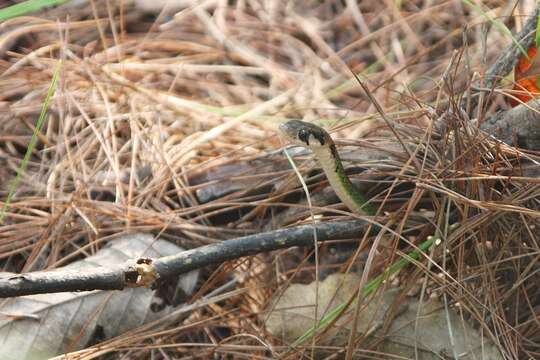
(287,130)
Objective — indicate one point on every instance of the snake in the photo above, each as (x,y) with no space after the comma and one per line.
(323,147)
(320,142)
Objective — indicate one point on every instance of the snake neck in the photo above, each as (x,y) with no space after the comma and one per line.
(340,182)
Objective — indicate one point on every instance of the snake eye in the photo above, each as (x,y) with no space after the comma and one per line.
(303,135)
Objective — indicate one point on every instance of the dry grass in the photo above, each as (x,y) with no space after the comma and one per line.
(167,126)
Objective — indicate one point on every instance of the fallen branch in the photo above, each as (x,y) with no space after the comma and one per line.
(518,126)
(144,271)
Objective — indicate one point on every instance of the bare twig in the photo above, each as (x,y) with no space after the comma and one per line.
(138,272)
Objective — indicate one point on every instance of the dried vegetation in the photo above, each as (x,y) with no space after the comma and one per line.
(166,124)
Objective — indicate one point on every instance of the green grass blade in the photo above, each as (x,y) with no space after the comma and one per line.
(537,41)
(27,7)
(33,140)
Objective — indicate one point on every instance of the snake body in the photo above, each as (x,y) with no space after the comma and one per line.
(321,144)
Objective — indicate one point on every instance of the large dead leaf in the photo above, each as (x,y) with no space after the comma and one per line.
(42,326)
(429,331)
(293,312)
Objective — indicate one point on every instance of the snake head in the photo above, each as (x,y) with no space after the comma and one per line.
(305,134)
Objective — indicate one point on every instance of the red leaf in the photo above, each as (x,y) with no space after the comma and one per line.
(526,76)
